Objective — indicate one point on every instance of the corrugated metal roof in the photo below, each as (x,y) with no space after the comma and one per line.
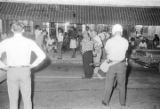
(81,14)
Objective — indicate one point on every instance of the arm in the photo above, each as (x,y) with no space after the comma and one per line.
(39,53)
(2,50)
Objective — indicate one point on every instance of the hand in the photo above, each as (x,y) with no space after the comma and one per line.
(4,68)
(31,66)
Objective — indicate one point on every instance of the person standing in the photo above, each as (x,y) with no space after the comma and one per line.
(38,36)
(60,38)
(87,55)
(116,48)
(97,54)
(156,41)
(73,41)
(18,52)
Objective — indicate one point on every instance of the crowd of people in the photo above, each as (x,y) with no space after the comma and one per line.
(142,42)
(94,47)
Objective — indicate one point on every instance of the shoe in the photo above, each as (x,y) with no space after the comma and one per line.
(84,77)
(124,107)
(104,103)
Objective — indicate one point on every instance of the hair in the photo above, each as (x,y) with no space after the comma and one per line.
(17,27)
(60,29)
(37,27)
(87,27)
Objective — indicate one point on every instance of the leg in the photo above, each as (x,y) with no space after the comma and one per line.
(110,77)
(89,68)
(97,59)
(87,59)
(74,53)
(25,88)
(121,79)
(13,89)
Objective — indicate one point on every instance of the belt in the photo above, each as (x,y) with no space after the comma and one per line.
(109,61)
(17,66)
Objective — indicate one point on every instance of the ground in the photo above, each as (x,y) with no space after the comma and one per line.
(59,86)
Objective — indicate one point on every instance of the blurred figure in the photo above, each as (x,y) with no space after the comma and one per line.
(104,36)
(87,55)
(79,39)
(142,44)
(131,48)
(155,41)
(43,37)
(38,36)
(73,41)
(97,53)
(60,38)
(50,45)
(4,36)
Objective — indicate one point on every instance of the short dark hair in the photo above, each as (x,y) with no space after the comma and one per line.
(60,29)
(37,27)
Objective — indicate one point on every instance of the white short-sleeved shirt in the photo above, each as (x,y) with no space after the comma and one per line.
(116,48)
(142,45)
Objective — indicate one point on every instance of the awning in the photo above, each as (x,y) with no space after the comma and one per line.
(81,14)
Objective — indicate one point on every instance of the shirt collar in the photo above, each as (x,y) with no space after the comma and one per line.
(16,35)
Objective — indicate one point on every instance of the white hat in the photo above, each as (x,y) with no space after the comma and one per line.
(117,28)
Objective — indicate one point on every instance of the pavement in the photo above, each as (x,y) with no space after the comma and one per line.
(59,86)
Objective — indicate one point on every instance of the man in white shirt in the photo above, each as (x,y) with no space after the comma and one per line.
(116,48)
(18,52)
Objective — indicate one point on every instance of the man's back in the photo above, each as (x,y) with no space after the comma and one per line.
(116,48)
(18,50)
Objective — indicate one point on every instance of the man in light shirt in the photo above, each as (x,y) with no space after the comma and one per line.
(18,52)
(116,48)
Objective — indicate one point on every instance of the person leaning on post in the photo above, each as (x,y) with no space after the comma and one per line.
(18,52)
(116,48)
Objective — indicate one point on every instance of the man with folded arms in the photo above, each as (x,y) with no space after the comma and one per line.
(116,48)
(18,52)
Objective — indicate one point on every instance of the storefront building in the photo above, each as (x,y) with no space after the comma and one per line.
(49,16)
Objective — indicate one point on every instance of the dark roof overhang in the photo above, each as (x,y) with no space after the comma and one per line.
(80,14)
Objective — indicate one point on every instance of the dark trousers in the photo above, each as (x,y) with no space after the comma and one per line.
(87,59)
(116,73)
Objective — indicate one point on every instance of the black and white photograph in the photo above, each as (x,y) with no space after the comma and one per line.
(79,54)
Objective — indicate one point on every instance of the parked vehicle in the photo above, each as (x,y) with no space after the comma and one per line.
(149,58)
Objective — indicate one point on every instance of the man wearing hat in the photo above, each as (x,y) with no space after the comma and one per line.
(116,48)
(18,52)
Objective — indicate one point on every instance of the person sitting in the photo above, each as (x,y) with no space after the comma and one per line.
(156,41)
(142,44)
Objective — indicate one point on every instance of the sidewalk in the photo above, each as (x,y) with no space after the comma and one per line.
(59,86)
(66,57)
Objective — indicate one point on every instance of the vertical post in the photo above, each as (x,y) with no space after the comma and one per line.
(83,27)
(47,28)
(56,29)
